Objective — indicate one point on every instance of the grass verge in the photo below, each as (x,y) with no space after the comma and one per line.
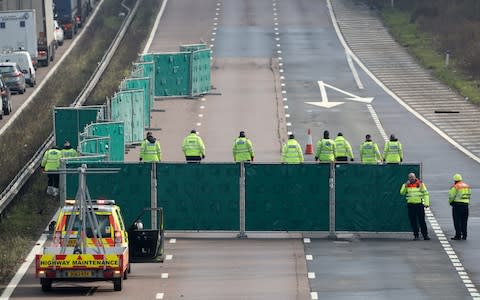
(19,232)
(423,47)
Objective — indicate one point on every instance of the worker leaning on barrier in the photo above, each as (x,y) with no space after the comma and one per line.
(393,151)
(292,151)
(51,162)
(459,198)
(343,149)
(369,153)
(417,199)
(242,148)
(68,151)
(193,147)
(150,150)
(325,150)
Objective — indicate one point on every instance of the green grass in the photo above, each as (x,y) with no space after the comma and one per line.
(423,47)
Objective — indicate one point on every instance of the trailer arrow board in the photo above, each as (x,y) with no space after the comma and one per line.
(328,104)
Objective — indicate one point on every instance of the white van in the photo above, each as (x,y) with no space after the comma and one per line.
(24,61)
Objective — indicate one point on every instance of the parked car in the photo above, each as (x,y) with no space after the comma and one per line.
(24,62)
(6,104)
(13,77)
(59,36)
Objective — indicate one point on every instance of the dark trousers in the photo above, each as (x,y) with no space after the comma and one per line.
(341,158)
(193,159)
(460,219)
(53,180)
(416,214)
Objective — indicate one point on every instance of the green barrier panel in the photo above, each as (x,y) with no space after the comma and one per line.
(127,107)
(199,196)
(144,84)
(95,146)
(115,133)
(144,69)
(281,197)
(130,188)
(367,197)
(172,73)
(192,47)
(201,70)
(69,122)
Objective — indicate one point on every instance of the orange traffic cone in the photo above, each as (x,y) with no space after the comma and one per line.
(309,147)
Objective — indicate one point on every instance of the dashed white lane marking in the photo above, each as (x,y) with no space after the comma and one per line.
(200,115)
(314,295)
(199,124)
(159,296)
(169,257)
(306,240)
(285,99)
(172,241)
(311,275)
(309,257)
(164,275)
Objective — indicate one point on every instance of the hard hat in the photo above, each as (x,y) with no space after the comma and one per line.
(457,177)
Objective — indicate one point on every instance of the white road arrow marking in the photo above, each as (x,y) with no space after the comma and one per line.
(326,104)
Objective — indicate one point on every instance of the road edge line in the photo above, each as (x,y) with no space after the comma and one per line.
(155,27)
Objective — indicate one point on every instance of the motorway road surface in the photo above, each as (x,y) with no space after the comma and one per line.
(268,58)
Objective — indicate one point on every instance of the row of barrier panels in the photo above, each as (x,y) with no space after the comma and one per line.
(186,73)
(257,197)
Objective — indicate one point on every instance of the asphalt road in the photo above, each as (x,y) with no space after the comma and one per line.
(268,58)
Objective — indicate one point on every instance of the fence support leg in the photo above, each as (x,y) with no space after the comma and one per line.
(63,183)
(242,233)
(332,233)
(153,200)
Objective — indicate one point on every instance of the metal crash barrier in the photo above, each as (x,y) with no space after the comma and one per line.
(242,198)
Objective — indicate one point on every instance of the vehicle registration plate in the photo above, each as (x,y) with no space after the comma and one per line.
(79,273)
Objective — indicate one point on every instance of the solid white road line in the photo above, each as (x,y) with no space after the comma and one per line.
(354,71)
(376,120)
(155,27)
(472,290)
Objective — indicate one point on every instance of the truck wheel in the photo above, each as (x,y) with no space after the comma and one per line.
(117,284)
(129,270)
(46,284)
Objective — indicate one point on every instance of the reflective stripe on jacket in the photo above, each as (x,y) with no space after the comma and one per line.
(393,152)
(343,148)
(292,152)
(242,149)
(416,193)
(193,145)
(460,192)
(325,150)
(369,153)
(150,151)
(51,160)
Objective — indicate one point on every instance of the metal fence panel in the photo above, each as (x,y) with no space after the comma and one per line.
(281,197)
(201,70)
(115,132)
(127,107)
(144,84)
(199,196)
(95,146)
(130,188)
(69,122)
(367,197)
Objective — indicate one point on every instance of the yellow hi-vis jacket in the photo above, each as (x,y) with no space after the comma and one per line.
(393,152)
(242,149)
(325,150)
(416,193)
(51,160)
(460,193)
(292,152)
(193,145)
(67,153)
(343,148)
(150,152)
(369,153)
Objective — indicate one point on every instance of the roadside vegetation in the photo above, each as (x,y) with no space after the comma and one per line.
(29,214)
(431,29)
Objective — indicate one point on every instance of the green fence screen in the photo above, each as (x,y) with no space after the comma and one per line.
(95,146)
(201,70)
(114,131)
(367,197)
(127,107)
(145,84)
(69,122)
(130,188)
(199,196)
(287,197)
